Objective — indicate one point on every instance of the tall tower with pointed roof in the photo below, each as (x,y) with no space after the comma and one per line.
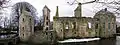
(46,16)
(78,11)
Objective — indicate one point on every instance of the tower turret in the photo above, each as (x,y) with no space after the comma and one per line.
(57,13)
(78,11)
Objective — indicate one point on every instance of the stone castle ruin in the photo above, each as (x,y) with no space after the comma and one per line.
(102,25)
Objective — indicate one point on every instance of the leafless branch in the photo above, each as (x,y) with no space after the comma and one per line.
(76,2)
(3,3)
(90,2)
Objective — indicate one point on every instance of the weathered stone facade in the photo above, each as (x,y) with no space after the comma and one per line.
(105,23)
(26,26)
(73,27)
(69,27)
(41,37)
(91,26)
(46,35)
(46,16)
(102,25)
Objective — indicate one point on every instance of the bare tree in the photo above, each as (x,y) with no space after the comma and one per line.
(3,5)
(39,26)
(17,10)
(77,2)
(114,5)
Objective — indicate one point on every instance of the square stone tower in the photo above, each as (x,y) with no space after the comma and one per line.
(46,16)
(26,26)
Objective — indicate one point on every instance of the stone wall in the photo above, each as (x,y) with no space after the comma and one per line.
(41,37)
(106,23)
(70,27)
(91,29)
(26,26)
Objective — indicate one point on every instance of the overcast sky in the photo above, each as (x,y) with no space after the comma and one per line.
(88,10)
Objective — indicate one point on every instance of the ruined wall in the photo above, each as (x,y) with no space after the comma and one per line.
(26,26)
(69,27)
(91,26)
(44,37)
(106,23)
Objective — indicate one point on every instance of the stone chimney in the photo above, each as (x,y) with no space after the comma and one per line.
(78,11)
(57,13)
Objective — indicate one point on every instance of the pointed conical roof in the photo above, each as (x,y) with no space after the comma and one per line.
(46,8)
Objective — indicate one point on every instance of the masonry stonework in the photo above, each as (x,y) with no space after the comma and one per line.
(102,25)
(26,26)
(105,23)
(73,27)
